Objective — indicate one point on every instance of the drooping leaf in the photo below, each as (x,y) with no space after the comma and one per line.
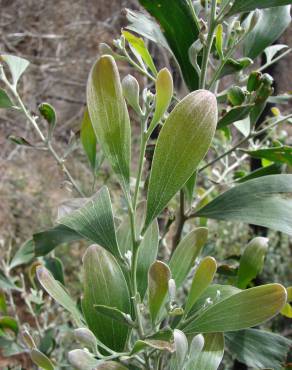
(158,277)
(88,139)
(267,30)
(41,360)
(58,293)
(248,5)
(95,221)
(139,45)
(235,114)
(264,201)
(212,353)
(171,15)
(251,261)
(23,255)
(203,277)
(45,241)
(280,154)
(109,116)
(240,311)
(5,101)
(16,65)
(185,254)
(182,143)
(105,284)
(258,349)
(164,92)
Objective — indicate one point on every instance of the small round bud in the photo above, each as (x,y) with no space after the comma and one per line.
(131,92)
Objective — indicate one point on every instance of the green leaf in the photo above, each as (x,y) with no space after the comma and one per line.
(18,140)
(164,92)
(114,314)
(3,304)
(109,116)
(158,277)
(95,221)
(46,241)
(139,45)
(267,30)
(131,91)
(252,261)
(272,51)
(82,360)
(212,353)
(203,277)
(258,349)
(181,350)
(105,284)
(182,143)
(243,126)
(189,187)
(88,139)
(49,114)
(41,360)
(196,347)
(7,283)
(147,254)
(235,114)
(232,66)
(55,266)
(23,255)
(219,40)
(273,169)
(248,5)
(264,201)
(236,95)
(280,154)
(5,101)
(240,311)
(171,15)
(185,254)
(16,65)
(7,322)
(58,293)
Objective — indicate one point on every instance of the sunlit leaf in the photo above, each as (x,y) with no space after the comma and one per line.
(280,154)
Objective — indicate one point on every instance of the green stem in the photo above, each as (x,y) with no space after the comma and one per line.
(194,14)
(143,144)
(208,47)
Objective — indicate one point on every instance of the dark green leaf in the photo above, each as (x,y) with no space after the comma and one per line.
(251,261)
(182,143)
(18,140)
(280,154)
(24,254)
(232,66)
(49,114)
(258,349)
(264,201)
(158,277)
(235,114)
(5,101)
(236,95)
(114,314)
(267,30)
(171,15)
(109,116)
(105,284)
(7,322)
(55,266)
(240,311)
(16,65)
(58,293)
(248,5)
(95,221)
(273,169)
(88,139)
(185,254)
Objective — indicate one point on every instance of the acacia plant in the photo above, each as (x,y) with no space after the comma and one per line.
(139,311)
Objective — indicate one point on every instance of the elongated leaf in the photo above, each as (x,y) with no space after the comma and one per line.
(23,255)
(212,353)
(248,5)
(111,365)
(41,360)
(158,277)
(95,221)
(139,45)
(171,15)
(267,30)
(46,241)
(273,169)
(147,254)
(235,114)
(272,51)
(264,201)
(114,313)
(109,116)
(181,350)
(251,261)
(196,347)
(240,311)
(232,66)
(187,251)
(16,65)
(164,91)
(159,344)
(55,266)
(5,101)
(58,293)
(88,139)
(258,349)
(105,284)
(281,154)
(203,277)
(182,144)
